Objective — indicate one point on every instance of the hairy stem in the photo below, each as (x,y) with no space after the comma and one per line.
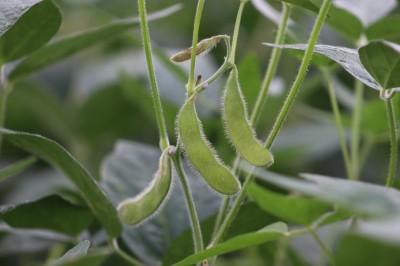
(199,11)
(194,220)
(164,141)
(393,142)
(281,117)
(236,31)
(272,66)
(356,130)
(339,123)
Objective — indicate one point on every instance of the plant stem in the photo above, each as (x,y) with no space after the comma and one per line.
(356,129)
(281,117)
(393,142)
(124,255)
(195,38)
(4,92)
(338,121)
(194,220)
(272,66)
(236,31)
(164,141)
(323,247)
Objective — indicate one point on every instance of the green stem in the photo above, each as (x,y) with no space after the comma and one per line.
(236,31)
(323,247)
(356,130)
(124,255)
(4,92)
(393,142)
(282,115)
(301,74)
(272,66)
(199,11)
(338,121)
(164,141)
(194,220)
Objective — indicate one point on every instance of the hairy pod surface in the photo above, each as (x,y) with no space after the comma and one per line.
(201,48)
(201,154)
(238,127)
(134,210)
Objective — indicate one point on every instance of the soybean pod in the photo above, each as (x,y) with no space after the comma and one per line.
(201,154)
(133,211)
(238,127)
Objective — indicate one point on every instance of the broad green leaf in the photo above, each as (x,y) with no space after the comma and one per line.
(12,10)
(346,57)
(51,213)
(351,249)
(291,209)
(388,28)
(345,23)
(303,4)
(382,60)
(126,172)
(268,233)
(32,30)
(356,197)
(57,156)
(69,45)
(17,167)
(249,219)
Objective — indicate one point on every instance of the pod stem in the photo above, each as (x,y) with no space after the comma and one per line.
(236,31)
(281,117)
(338,121)
(123,254)
(393,141)
(164,141)
(356,129)
(272,66)
(194,220)
(199,11)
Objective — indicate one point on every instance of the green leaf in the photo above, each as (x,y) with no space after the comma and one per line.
(268,233)
(52,213)
(345,23)
(303,4)
(57,156)
(297,210)
(349,252)
(382,60)
(356,197)
(250,218)
(126,172)
(17,167)
(79,256)
(346,57)
(11,11)
(32,30)
(387,28)
(75,43)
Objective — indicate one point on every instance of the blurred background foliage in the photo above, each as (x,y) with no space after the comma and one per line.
(101,95)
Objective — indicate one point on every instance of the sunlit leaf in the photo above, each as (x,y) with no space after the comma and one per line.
(346,57)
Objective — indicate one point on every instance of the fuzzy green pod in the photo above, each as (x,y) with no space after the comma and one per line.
(201,154)
(202,47)
(133,211)
(238,127)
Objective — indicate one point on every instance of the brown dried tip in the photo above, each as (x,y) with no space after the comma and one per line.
(202,47)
